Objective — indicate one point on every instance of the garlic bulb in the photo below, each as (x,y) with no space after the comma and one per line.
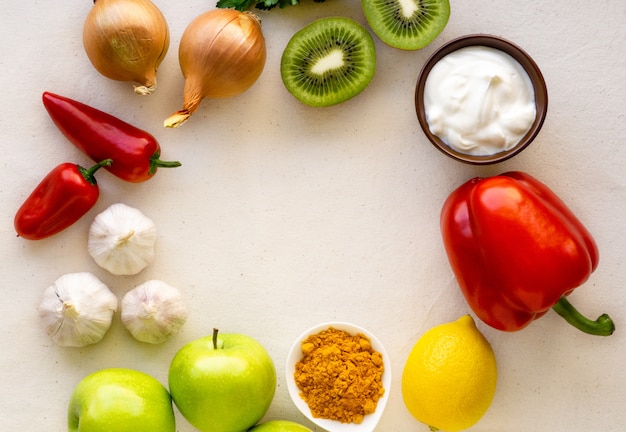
(153,311)
(122,239)
(221,54)
(126,40)
(77,309)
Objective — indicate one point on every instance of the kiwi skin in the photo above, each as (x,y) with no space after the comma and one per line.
(386,19)
(334,85)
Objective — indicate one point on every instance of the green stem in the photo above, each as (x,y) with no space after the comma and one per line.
(602,326)
(215,331)
(155,163)
(88,173)
(166,164)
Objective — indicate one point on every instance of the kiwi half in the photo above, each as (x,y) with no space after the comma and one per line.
(407,24)
(329,61)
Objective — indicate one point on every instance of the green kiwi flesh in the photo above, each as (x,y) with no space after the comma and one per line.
(407,24)
(328,61)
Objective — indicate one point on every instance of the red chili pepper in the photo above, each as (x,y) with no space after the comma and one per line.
(517,251)
(62,197)
(102,136)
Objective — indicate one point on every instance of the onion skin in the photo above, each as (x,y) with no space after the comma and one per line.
(126,40)
(222,53)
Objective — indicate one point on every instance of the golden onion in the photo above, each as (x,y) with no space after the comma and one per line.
(221,54)
(126,40)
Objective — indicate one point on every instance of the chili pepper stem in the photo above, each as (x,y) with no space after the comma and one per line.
(602,326)
(166,164)
(88,173)
(155,163)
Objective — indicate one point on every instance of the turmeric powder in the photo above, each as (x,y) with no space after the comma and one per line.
(340,375)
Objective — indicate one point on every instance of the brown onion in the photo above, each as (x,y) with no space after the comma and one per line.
(126,40)
(221,54)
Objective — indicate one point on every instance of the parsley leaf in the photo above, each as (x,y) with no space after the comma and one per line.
(242,5)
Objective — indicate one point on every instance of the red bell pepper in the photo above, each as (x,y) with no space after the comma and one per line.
(517,251)
(100,136)
(62,197)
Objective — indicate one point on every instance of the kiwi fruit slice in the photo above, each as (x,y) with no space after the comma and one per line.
(407,24)
(328,61)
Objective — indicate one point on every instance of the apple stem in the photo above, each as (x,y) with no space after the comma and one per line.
(215,330)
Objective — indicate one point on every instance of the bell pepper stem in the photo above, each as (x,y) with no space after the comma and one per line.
(602,326)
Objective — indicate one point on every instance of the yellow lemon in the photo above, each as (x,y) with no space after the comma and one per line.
(449,378)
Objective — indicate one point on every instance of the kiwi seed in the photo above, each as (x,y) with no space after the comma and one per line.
(407,24)
(329,61)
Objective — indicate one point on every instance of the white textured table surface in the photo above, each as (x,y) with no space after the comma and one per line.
(284,216)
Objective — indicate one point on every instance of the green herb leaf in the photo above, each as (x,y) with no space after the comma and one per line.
(240,5)
(243,5)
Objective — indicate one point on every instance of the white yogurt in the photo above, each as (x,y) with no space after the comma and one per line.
(479,100)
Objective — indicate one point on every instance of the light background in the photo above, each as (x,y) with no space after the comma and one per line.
(284,216)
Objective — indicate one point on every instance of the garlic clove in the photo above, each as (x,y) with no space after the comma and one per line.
(77,310)
(122,240)
(153,311)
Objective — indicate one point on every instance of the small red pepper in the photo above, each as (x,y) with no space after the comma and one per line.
(100,136)
(517,251)
(62,197)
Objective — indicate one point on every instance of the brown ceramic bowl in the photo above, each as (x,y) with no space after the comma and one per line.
(538,82)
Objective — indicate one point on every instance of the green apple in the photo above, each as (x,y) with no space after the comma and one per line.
(120,400)
(280,426)
(222,383)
